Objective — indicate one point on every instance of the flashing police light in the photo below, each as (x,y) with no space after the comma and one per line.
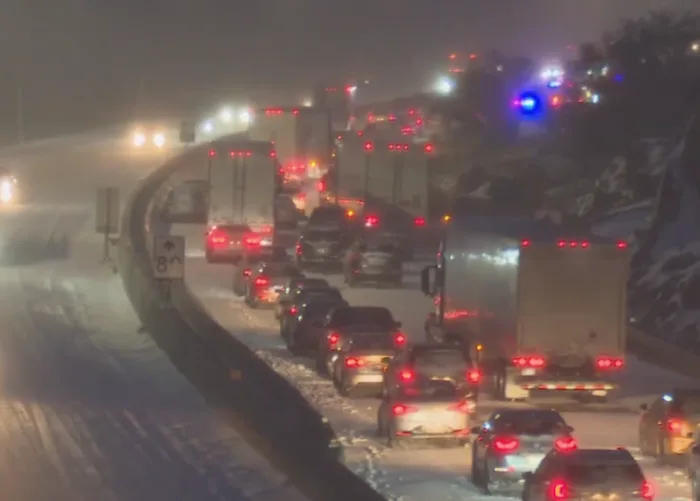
(528,103)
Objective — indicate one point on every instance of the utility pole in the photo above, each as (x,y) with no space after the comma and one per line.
(19,70)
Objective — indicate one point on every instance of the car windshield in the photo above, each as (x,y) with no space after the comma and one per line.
(429,390)
(234,228)
(364,342)
(369,315)
(438,358)
(529,422)
(600,473)
(319,295)
(330,215)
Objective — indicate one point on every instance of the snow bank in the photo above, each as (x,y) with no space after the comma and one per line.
(665,279)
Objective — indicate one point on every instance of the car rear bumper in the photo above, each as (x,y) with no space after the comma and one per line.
(596,388)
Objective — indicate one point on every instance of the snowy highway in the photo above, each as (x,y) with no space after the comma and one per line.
(418,472)
(91,409)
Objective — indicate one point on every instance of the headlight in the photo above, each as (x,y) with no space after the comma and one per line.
(139,139)
(6,191)
(159,139)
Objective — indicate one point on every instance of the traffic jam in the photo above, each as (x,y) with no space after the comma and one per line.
(478,347)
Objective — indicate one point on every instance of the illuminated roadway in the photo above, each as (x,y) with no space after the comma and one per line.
(420,472)
(91,409)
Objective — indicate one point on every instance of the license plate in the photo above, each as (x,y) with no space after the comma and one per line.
(599,393)
(528,372)
(278,289)
(323,251)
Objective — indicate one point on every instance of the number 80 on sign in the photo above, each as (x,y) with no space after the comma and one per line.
(169,257)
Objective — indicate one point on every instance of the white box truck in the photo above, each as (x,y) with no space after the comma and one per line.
(543,314)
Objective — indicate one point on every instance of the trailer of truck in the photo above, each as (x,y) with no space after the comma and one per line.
(544,314)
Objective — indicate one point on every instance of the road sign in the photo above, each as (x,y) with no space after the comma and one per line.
(169,257)
(107,217)
(187,132)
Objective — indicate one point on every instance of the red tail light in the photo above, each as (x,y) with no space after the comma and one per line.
(321,186)
(247,273)
(217,237)
(261,281)
(609,363)
(419,221)
(558,490)
(466,407)
(535,362)
(298,249)
(674,425)
(400,409)
(621,244)
(565,444)
(371,221)
(647,491)
(293,310)
(406,376)
(506,445)
(399,339)
(473,376)
(354,363)
(333,340)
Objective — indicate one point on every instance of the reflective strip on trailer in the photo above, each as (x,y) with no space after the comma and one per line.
(568,387)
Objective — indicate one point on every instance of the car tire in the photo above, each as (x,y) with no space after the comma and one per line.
(393,441)
(351,281)
(660,452)
(321,367)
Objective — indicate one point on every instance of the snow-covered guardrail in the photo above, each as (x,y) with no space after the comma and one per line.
(262,405)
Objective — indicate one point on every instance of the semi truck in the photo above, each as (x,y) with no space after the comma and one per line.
(301,137)
(542,313)
(246,186)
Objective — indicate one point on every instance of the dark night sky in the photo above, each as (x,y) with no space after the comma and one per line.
(83,59)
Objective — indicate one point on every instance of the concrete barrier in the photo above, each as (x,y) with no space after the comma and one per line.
(663,354)
(263,406)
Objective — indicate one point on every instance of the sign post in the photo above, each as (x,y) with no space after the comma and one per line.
(107,217)
(168,263)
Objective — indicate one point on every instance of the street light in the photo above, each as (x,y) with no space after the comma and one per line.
(444,86)
(208,127)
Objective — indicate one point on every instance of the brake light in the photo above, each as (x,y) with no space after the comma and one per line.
(506,445)
(333,340)
(353,363)
(674,425)
(533,362)
(419,221)
(247,273)
(564,444)
(261,281)
(217,237)
(298,249)
(321,186)
(371,221)
(621,244)
(406,376)
(473,376)
(399,339)
(293,310)
(400,409)
(647,491)
(558,490)
(466,407)
(609,363)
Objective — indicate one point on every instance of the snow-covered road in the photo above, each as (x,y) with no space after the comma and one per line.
(416,473)
(91,409)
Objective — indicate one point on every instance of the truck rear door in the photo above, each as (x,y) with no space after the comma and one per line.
(572,301)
